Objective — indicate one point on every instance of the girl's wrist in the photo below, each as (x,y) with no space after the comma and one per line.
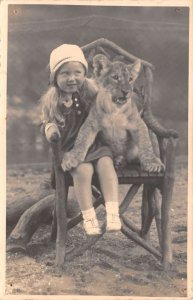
(52,132)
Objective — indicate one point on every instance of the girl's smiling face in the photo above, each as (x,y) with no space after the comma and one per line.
(70,77)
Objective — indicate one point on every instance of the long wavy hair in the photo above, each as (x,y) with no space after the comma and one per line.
(51,111)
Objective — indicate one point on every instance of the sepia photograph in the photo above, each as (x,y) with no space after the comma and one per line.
(97,149)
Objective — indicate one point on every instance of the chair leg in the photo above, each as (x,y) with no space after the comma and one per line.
(148,210)
(167,191)
(54,220)
(158,215)
(54,224)
(165,224)
(61,205)
(61,216)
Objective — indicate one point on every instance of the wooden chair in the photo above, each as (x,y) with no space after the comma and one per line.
(164,143)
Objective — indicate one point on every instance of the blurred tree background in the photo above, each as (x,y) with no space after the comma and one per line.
(156,34)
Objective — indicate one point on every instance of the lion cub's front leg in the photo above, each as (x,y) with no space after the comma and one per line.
(84,140)
(148,159)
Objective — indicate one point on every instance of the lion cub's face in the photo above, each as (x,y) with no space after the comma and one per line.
(116,77)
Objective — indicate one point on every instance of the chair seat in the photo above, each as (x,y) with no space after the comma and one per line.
(129,175)
(134,174)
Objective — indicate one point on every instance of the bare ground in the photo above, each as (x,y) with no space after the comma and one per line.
(113,266)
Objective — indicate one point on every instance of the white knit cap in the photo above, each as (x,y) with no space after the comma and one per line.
(63,54)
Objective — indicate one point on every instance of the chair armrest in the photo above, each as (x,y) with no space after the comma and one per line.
(156,127)
(164,147)
(147,115)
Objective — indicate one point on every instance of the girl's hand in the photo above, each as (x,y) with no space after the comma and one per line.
(52,132)
(69,161)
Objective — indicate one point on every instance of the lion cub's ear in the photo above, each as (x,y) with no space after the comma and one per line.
(100,64)
(134,70)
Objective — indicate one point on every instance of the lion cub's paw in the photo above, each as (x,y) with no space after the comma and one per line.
(69,161)
(155,165)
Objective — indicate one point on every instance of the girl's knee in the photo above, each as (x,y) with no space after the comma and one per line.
(105,168)
(83,172)
(105,163)
(106,172)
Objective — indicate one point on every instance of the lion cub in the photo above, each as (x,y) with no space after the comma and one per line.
(115,117)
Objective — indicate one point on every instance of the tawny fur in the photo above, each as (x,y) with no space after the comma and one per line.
(114,116)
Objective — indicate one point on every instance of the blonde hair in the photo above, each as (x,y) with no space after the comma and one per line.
(51,111)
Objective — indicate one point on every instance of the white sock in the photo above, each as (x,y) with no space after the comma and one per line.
(112,215)
(90,222)
(112,207)
(89,214)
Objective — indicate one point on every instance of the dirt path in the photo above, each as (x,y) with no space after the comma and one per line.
(114,265)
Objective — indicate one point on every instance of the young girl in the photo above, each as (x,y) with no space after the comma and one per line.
(65,106)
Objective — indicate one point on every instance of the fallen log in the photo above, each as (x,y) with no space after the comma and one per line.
(36,215)
(16,208)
